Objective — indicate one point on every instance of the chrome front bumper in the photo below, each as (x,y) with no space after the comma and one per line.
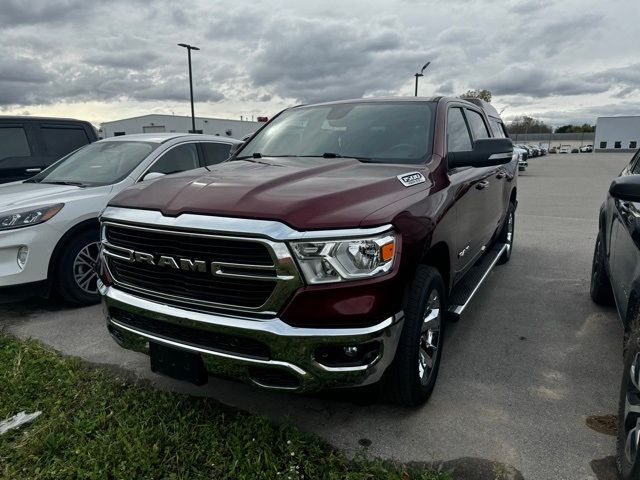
(292,350)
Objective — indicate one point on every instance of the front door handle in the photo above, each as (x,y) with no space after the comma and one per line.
(501,175)
(33,170)
(482,185)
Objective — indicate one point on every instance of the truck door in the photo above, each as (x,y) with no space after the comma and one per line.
(496,203)
(625,247)
(471,195)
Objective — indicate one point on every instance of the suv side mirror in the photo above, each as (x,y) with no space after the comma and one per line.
(486,153)
(152,176)
(235,147)
(626,188)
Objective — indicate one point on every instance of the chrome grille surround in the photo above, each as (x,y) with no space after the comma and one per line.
(283,272)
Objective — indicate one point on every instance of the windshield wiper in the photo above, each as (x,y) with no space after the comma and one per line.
(32,180)
(336,155)
(254,155)
(61,182)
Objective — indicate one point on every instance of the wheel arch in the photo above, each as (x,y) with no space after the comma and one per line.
(64,240)
(438,256)
(513,196)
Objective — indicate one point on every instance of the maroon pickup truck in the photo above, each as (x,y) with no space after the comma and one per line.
(326,252)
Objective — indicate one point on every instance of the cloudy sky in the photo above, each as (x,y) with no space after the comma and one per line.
(562,61)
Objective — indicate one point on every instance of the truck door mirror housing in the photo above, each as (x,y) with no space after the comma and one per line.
(152,176)
(486,152)
(626,188)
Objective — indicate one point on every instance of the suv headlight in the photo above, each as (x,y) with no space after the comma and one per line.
(326,261)
(28,217)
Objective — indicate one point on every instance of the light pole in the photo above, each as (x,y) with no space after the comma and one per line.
(189,48)
(421,74)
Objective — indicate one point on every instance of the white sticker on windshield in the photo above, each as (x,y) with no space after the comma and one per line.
(411,178)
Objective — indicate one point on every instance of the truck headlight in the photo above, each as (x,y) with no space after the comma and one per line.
(327,261)
(28,217)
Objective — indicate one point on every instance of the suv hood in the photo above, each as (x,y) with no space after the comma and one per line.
(306,193)
(19,194)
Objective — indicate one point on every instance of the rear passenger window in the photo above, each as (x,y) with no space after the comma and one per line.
(478,127)
(458,139)
(498,128)
(215,152)
(13,143)
(60,141)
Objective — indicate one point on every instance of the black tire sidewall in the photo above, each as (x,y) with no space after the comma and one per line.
(600,286)
(409,390)
(627,471)
(66,286)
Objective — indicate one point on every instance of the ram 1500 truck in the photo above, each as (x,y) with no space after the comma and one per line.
(326,252)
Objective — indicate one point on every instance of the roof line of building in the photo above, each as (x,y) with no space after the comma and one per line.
(179,116)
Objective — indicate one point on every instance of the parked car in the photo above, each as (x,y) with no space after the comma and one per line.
(523,155)
(543,151)
(326,252)
(530,151)
(575,150)
(30,144)
(49,223)
(586,148)
(565,149)
(553,150)
(615,279)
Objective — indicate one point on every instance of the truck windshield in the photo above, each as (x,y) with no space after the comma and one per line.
(385,132)
(100,163)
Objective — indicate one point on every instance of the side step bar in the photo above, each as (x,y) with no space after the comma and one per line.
(464,291)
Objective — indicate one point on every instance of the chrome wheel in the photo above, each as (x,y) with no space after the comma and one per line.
(631,421)
(84,268)
(429,337)
(510,225)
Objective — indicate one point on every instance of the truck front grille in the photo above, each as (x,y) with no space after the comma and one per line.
(201,271)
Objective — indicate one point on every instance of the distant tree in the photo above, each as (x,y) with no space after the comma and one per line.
(585,127)
(526,124)
(481,94)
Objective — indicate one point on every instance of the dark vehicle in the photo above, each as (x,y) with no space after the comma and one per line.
(326,252)
(30,144)
(615,278)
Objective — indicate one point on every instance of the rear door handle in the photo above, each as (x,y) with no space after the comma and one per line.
(33,170)
(482,185)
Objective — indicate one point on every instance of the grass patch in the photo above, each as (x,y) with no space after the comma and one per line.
(96,425)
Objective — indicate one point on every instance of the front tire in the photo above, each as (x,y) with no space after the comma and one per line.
(628,436)
(76,276)
(415,367)
(600,289)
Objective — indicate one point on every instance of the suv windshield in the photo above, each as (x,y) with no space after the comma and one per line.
(389,132)
(100,163)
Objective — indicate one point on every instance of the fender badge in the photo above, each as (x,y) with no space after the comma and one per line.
(411,178)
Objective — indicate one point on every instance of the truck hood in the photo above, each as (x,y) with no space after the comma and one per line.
(306,193)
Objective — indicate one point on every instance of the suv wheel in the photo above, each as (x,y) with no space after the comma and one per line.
(76,273)
(415,367)
(506,235)
(600,290)
(628,437)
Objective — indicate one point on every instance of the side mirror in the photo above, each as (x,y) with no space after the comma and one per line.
(235,147)
(152,176)
(486,153)
(626,188)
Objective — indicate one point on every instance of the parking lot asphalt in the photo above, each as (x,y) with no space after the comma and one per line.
(530,360)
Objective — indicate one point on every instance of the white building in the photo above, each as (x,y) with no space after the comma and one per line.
(617,133)
(173,123)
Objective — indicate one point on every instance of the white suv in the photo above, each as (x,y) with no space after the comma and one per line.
(49,223)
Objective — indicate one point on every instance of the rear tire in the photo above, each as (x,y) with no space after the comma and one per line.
(76,277)
(628,436)
(413,373)
(507,232)
(600,289)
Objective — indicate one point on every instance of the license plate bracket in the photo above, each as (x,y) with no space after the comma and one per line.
(178,364)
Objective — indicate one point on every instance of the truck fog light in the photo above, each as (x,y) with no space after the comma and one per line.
(23,254)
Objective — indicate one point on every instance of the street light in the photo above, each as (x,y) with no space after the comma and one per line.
(421,74)
(189,48)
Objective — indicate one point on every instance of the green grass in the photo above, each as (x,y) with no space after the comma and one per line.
(97,425)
